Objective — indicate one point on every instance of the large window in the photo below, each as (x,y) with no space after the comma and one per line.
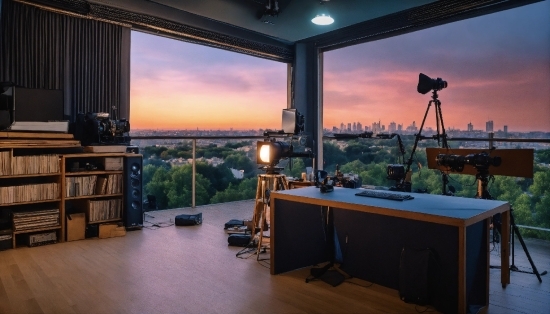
(497,68)
(498,72)
(178,85)
(178,88)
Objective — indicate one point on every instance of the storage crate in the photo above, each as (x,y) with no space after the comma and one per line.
(113,163)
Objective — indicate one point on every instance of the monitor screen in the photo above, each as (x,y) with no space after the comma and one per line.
(38,104)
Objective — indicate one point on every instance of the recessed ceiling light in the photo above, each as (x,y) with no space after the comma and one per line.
(322,19)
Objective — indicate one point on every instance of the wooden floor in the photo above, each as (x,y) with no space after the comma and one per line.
(168,269)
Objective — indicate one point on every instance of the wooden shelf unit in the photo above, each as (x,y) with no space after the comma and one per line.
(61,201)
(82,201)
(46,171)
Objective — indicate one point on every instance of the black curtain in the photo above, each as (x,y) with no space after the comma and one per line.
(84,58)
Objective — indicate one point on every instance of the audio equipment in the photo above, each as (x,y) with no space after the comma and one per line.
(42,238)
(133,185)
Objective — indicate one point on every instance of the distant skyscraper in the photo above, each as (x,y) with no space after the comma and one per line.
(342,127)
(470,127)
(359,127)
(376,128)
(354,127)
(505,129)
(349,127)
(400,127)
(412,127)
(489,126)
(392,127)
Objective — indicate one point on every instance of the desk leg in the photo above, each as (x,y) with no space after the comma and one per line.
(461,269)
(505,249)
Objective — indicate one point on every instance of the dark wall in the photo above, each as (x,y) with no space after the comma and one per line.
(84,58)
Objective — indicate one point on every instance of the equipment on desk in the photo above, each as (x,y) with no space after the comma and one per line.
(323,181)
(385,195)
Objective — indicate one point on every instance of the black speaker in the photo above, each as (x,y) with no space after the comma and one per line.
(133,185)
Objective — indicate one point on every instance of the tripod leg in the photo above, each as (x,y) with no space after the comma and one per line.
(520,238)
(504,249)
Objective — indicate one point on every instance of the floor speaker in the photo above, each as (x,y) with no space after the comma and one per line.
(133,185)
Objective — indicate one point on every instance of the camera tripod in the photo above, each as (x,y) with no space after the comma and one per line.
(483,193)
(441,138)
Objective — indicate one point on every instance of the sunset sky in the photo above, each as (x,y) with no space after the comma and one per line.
(497,68)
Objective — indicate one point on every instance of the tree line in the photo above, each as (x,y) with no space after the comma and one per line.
(368,158)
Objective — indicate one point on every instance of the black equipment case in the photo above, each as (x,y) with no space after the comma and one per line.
(188,220)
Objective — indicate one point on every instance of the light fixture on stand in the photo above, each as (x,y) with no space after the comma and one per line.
(322,18)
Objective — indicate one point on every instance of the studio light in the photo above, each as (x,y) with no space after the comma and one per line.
(270,153)
(322,18)
(426,84)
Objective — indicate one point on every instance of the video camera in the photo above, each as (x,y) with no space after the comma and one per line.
(479,161)
(98,129)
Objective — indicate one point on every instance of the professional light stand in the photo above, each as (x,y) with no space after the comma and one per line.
(483,193)
(441,138)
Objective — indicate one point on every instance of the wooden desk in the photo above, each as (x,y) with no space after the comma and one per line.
(372,233)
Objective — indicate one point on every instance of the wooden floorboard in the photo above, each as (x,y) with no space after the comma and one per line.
(169,269)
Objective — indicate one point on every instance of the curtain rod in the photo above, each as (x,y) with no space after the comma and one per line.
(64,12)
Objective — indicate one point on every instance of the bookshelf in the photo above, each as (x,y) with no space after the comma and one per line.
(40,184)
(93,184)
(30,196)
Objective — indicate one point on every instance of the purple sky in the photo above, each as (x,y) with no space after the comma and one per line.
(497,67)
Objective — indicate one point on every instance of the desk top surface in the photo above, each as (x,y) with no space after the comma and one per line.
(428,207)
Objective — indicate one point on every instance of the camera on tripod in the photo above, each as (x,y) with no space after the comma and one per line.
(98,129)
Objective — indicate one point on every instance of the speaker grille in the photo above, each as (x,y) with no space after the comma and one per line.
(133,204)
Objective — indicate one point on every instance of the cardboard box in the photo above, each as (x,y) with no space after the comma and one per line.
(110,230)
(113,163)
(76,226)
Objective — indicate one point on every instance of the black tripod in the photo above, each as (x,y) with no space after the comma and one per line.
(441,138)
(483,193)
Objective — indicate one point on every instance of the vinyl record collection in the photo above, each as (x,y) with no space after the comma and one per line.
(104,210)
(29,193)
(37,164)
(93,185)
(36,219)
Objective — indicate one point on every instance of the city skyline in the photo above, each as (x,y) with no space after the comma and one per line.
(393,126)
(496,66)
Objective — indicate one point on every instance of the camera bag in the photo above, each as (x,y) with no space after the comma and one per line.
(233,223)
(239,239)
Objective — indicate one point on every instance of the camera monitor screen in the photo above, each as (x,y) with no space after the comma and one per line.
(38,104)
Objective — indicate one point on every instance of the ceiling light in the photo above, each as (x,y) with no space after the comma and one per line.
(322,19)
